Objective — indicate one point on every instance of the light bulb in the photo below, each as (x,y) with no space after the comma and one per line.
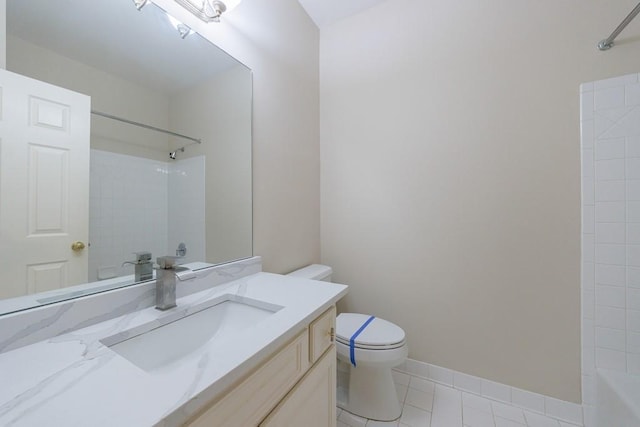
(213,9)
(183,29)
(140,3)
(231,4)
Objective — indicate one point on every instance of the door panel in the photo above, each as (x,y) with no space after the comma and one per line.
(46,277)
(48,181)
(44,185)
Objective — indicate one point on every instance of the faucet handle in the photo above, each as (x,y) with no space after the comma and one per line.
(143,256)
(167,262)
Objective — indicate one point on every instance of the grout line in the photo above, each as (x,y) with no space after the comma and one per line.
(626,255)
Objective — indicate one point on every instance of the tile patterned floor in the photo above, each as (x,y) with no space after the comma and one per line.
(428,404)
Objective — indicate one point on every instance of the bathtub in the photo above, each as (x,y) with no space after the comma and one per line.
(618,399)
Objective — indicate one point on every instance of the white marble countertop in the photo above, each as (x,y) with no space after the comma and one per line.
(75,380)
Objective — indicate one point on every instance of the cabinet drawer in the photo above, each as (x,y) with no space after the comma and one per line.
(321,333)
(248,403)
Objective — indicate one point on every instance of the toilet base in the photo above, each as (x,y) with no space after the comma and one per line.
(372,394)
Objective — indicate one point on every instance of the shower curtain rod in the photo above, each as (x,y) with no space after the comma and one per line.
(608,42)
(142,125)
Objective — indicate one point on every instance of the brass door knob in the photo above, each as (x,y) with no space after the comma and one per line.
(77,246)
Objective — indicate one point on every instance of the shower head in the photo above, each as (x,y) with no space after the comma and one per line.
(172,154)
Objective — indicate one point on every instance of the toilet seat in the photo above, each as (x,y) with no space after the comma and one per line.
(380,334)
(371,347)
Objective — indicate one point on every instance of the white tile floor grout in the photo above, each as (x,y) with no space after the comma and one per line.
(429,404)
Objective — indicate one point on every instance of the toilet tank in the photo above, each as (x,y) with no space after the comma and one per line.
(314,272)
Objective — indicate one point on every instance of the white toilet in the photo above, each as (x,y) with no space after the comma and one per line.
(378,346)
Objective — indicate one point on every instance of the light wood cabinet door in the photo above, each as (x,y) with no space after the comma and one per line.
(321,334)
(249,402)
(312,402)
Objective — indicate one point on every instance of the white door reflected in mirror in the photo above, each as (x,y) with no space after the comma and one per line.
(44,185)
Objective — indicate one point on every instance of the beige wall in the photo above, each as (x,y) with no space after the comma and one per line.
(451,176)
(280,43)
(220,110)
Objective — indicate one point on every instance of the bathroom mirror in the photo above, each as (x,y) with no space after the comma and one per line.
(149,190)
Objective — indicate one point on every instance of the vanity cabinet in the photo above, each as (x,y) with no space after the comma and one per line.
(295,386)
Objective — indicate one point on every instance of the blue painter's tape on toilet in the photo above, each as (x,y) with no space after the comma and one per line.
(352,341)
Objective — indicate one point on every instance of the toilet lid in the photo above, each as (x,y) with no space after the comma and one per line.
(379,333)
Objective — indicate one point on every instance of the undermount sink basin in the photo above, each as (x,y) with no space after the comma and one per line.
(160,343)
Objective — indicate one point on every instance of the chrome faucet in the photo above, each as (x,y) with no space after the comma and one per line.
(143,267)
(167,273)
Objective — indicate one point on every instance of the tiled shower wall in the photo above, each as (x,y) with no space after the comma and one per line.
(610,124)
(129,209)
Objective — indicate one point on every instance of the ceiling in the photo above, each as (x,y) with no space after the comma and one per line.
(326,12)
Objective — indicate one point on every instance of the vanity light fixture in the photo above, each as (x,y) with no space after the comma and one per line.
(208,10)
(140,3)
